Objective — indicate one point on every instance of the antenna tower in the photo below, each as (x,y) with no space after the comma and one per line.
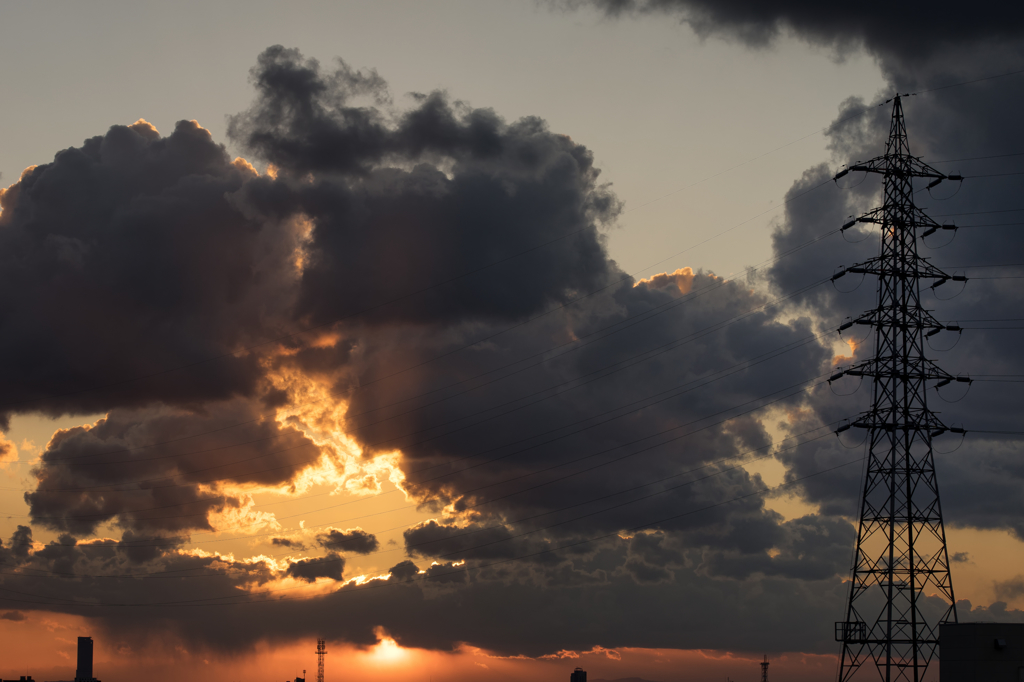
(321,651)
(764,669)
(901,542)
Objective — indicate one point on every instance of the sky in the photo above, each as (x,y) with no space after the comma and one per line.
(478,338)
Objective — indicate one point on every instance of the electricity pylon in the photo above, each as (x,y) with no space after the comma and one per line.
(901,555)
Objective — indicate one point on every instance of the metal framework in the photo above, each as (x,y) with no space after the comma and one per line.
(321,651)
(901,552)
(764,669)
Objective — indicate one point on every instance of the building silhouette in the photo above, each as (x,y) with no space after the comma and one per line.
(982,652)
(578,675)
(84,671)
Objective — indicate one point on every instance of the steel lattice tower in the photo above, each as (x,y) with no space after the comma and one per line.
(764,669)
(321,651)
(901,552)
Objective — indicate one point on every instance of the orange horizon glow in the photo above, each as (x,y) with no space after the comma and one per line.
(43,636)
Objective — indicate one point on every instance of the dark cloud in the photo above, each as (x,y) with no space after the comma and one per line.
(434,539)
(332,566)
(649,591)
(521,445)
(809,548)
(979,477)
(132,246)
(882,27)
(428,199)
(354,540)
(1010,589)
(303,121)
(16,616)
(403,571)
(133,466)
(20,543)
(662,609)
(997,612)
(460,603)
(446,573)
(287,542)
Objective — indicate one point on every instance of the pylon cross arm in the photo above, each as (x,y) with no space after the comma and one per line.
(900,164)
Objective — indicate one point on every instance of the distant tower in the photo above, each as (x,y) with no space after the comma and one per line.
(84,672)
(578,675)
(764,669)
(321,651)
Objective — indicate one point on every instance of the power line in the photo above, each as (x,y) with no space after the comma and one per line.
(992,225)
(970,82)
(979,158)
(1005,210)
(993,175)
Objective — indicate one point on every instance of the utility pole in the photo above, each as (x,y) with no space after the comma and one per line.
(321,651)
(764,669)
(901,542)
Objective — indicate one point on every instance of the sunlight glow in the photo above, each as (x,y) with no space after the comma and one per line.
(387,651)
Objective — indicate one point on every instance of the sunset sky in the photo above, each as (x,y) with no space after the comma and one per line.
(479,338)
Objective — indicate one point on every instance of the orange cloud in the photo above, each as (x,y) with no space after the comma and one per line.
(8,453)
(146,129)
(682,279)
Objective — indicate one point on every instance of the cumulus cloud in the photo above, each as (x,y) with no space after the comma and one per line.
(354,540)
(464,189)
(133,467)
(132,246)
(332,566)
(403,571)
(1010,589)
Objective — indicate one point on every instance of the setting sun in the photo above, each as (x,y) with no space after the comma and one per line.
(387,651)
